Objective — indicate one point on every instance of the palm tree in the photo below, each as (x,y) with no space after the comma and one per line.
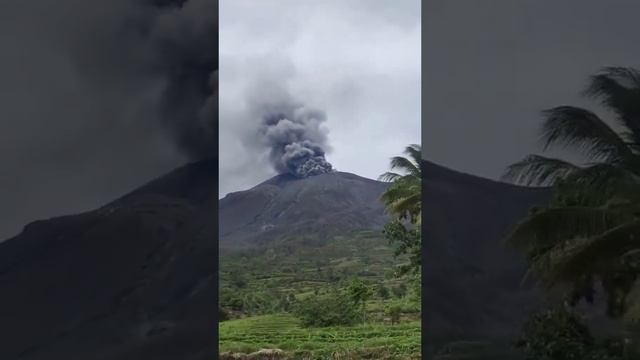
(590,232)
(403,201)
(403,197)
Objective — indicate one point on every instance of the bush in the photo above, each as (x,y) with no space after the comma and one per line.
(223,315)
(399,291)
(559,334)
(394,311)
(332,309)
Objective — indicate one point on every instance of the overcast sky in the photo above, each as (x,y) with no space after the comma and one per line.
(490,67)
(357,60)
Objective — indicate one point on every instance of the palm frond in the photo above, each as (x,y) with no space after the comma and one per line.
(538,170)
(389,177)
(618,89)
(599,252)
(415,153)
(402,198)
(404,164)
(549,227)
(598,182)
(569,126)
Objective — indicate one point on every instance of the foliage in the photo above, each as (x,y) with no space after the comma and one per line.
(264,310)
(335,308)
(285,332)
(559,334)
(223,315)
(399,291)
(394,310)
(406,241)
(359,293)
(403,200)
(588,233)
(403,197)
(382,292)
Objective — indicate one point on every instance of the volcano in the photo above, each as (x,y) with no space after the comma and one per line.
(285,206)
(135,279)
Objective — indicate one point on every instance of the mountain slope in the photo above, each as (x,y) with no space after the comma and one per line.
(284,206)
(134,279)
(131,280)
(471,279)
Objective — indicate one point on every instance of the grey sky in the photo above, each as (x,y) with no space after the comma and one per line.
(88,99)
(490,67)
(357,60)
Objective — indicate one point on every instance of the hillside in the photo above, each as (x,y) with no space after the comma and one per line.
(134,279)
(284,206)
(471,279)
(131,280)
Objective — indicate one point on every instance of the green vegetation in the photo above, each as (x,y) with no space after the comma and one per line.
(561,334)
(332,309)
(587,237)
(298,299)
(348,297)
(287,333)
(403,201)
(586,234)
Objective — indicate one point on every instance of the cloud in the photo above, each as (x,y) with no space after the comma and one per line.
(357,61)
(100,97)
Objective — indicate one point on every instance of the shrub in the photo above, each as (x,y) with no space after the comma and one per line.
(394,311)
(559,334)
(223,315)
(332,309)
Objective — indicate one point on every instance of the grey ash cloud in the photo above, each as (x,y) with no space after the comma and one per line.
(99,97)
(295,138)
(358,61)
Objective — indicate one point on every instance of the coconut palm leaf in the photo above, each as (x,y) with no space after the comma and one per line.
(403,197)
(600,253)
(618,89)
(551,226)
(538,170)
(389,177)
(591,229)
(583,130)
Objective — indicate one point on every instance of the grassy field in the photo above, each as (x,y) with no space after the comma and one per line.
(259,291)
(284,332)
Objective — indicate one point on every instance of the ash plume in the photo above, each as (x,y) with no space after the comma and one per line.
(296,139)
(114,92)
(185,37)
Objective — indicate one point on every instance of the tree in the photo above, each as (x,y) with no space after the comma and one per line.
(359,293)
(560,334)
(403,197)
(382,292)
(407,241)
(403,201)
(332,309)
(394,311)
(589,232)
(238,280)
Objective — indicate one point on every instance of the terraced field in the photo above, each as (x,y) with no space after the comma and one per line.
(260,291)
(374,341)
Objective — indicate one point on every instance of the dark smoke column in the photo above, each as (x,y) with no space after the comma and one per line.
(296,140)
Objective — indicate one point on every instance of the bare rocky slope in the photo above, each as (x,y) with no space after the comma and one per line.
(286,207)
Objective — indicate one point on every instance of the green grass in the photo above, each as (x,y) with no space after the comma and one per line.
(254,286)
(284,332)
